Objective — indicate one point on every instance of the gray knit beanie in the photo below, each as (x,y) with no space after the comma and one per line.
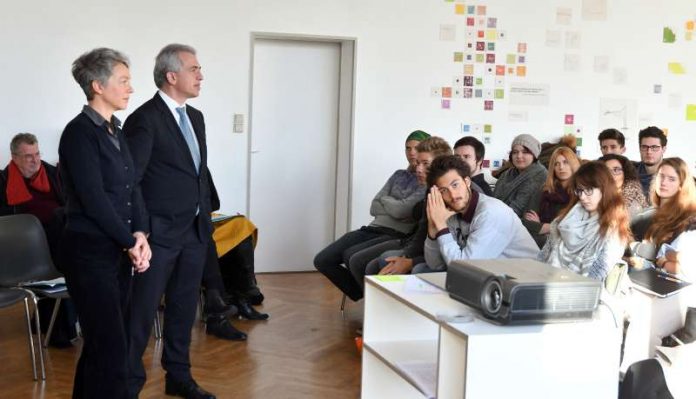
(529,142)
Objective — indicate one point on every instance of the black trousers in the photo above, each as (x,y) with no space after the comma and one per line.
(329,260)
(175,272)
(98,284)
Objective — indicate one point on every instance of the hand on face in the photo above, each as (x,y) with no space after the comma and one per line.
(437,212)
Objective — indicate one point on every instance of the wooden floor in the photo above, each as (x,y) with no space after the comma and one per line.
(305,350)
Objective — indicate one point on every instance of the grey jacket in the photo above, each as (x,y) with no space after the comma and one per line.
(488,229)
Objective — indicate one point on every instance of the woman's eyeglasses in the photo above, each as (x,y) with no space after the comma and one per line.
(616,171)
(587,191)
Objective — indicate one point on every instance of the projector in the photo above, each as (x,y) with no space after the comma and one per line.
(522,291)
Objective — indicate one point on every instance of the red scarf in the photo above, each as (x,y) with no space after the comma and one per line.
(17,191)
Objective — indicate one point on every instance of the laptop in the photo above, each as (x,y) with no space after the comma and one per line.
(656,282)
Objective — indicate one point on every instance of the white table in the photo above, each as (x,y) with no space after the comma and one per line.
(478,359)
(652,318)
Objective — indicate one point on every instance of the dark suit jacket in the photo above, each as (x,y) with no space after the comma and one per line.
(171,188)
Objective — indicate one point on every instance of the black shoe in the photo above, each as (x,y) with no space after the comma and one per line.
(222,328)
(186,389)
(256,299)
(248,312)
(215,305)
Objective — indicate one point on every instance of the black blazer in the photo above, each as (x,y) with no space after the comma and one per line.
(168,183)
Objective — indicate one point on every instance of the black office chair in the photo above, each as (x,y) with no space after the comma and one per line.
(25,258)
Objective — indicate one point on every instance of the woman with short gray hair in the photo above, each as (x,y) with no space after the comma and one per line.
(103,222)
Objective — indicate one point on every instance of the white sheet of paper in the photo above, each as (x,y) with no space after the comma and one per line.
(415,285)
(529,94)
(518,116)
(553,38)
(594,10)
(571,62)
(572,40)
(448,32)
(564,15)
(601,63)
(620,76)
(618,113)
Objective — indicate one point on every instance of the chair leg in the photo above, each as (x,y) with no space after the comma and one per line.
(201,305)
(38,337)
(32,352)
(56,307)
(343,306)
(158,325)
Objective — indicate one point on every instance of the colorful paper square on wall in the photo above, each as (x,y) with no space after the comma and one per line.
(458,56)
(521,70)
(445,104)
(490,58)
(481,10)
(459,9)
(499,94)
(521,48)
(569,119)
(446,92)
(488,105)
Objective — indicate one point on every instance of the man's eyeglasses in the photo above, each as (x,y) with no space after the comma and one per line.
(616,171)
(587,191)
(651,148)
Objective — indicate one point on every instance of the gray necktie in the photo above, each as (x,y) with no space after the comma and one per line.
(185,126)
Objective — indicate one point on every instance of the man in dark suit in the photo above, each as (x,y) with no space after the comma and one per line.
(167,140)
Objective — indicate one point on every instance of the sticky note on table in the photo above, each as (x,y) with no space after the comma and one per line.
(387,278)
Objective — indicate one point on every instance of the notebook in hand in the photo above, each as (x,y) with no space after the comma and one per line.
(656,282)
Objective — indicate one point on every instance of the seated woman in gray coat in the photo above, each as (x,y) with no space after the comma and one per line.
(517,185)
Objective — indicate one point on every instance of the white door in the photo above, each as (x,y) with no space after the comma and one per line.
(294,122)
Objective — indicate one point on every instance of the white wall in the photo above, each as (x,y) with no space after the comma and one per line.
(399,59)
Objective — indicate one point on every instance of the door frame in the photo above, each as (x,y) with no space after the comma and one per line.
(346,116)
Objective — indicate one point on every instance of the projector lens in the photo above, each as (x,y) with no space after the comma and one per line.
(492,297)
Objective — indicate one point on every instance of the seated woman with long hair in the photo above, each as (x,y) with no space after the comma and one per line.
(553,196)
(626,178)
(673,227)
(589,235)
